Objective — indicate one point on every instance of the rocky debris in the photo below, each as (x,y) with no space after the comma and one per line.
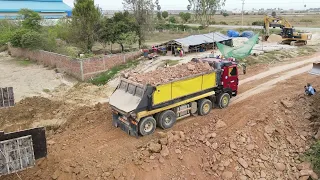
(220,124)
(317,136)
(249,173)
(287,104)
(304,166)
(163,141)
(177,151)
(280,166)
(155,147)
(243,163)
(164,75)
(56,174)
(165,151)
(227,175)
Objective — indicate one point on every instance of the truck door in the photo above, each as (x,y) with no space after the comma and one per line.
(230,78)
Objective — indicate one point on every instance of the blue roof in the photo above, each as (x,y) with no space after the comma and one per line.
(38,6)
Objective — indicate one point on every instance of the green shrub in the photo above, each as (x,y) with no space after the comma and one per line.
(31,40)
(306,20)
(258,23)
(223,23)
(17,37)
(313,156)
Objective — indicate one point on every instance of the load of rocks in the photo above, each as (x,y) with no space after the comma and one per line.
(167,74)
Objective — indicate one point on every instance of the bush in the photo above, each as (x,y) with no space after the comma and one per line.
(223,23)
(313,156)
(31,40)
(258,23)
(172,19)
(306,20)
(17,37)
(26,38)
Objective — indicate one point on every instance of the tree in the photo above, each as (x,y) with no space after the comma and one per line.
(121,29)
(185,16)
(204,9)
(30,19)
(143,14)
(165,14)
(159,16)
(225,14)
(85,19)
(274,14)
(172,19)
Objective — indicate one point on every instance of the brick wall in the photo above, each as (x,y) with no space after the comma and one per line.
(82,69)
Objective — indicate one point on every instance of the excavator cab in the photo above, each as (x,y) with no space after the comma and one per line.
(287,32)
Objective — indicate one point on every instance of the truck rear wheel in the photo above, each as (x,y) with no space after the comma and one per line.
(223,100)
(147,126)
(167,119)
(205,106)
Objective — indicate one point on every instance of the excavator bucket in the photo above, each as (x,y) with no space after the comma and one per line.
(315,69)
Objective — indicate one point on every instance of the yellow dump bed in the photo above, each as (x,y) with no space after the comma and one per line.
(183,87)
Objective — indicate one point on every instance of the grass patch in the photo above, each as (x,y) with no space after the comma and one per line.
(313,156)
(25,62)
(46,90)
(171,62)
(105,77)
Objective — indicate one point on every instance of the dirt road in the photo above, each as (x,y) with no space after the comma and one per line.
(259,137)
(28,79)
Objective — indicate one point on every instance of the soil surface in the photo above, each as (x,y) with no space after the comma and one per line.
(261,135)
(29,79)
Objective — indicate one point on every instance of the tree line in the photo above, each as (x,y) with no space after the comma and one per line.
(88,25)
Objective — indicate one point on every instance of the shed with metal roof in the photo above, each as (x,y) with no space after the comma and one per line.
(198,42)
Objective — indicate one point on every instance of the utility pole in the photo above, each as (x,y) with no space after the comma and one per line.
(242,11)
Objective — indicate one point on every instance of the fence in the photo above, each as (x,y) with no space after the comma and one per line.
(82,69)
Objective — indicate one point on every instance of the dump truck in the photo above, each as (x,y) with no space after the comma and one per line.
(139,108)
(315,69)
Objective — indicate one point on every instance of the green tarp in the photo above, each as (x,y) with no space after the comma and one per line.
(238,52)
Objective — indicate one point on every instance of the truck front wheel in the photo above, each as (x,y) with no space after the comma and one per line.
(147,126)
(205,106)
(167,119)
(223,100)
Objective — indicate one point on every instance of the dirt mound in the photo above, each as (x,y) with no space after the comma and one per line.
(273,38)
(28,110)
(164,75)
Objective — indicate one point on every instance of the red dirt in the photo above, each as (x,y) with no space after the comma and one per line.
(88,147)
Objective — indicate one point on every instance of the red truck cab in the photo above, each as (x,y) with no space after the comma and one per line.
(228,77)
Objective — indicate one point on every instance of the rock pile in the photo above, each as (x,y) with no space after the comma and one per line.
(164,75)
(273,38)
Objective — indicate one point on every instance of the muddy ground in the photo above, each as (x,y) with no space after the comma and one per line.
(260,136)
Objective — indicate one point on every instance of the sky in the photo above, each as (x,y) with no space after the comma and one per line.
(230,4)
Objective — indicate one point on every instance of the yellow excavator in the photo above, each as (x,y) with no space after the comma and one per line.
(288,33)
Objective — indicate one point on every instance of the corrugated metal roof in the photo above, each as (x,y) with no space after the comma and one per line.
(15,6)
(202,39)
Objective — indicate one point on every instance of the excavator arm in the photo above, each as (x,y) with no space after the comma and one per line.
(270,21)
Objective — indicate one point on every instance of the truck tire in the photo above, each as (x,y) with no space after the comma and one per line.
(147,126)
(205,106)
(223,100)
(167,119)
